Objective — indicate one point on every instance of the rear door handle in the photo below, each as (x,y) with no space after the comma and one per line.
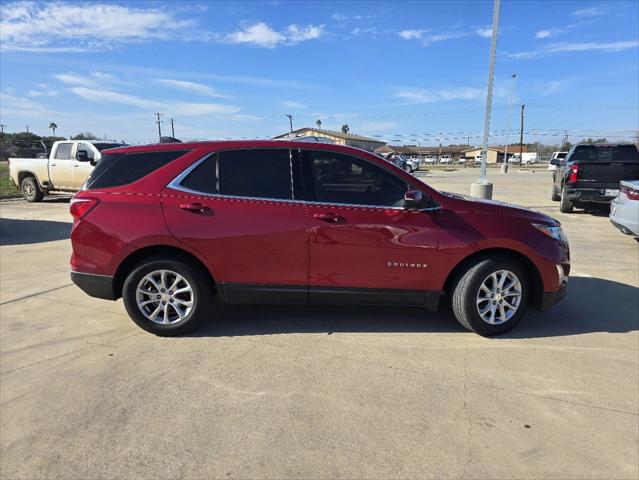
(328,217)
(196,208)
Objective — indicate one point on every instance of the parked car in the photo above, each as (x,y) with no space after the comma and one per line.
(463,160)
(400,162)
(66,169)
(429,159)
(590,174)
(555,160)
(445,159)
(477,161)
(256,222)
(413,164)
(624,209)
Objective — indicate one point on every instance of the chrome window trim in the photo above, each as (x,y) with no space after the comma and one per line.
(175,185)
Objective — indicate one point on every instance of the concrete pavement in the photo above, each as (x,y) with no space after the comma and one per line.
(283,392)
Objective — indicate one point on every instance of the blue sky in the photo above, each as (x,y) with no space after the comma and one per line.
(400,71)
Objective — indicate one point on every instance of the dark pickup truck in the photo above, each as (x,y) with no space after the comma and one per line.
(590,174)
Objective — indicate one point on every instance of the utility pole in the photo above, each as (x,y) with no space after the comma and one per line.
(158,121)
(2,125)
(27,128)
(439,139)
(482,188)
(510,106)
(564,141)
(172,128)
(290,120)
(521,135)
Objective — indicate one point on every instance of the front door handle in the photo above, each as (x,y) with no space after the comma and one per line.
(196,208)
(329,217)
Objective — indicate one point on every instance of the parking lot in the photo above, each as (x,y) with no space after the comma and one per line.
(301,392)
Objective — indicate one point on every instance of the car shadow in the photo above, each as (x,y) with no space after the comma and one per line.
(591,305)
(23,232)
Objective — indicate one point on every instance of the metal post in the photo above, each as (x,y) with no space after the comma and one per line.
(290,120)
(521,135)
(158,121)
(172,128)
(482,188)
(510,106)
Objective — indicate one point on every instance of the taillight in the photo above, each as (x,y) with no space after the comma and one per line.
(81,206)
(631,193)
(574,169)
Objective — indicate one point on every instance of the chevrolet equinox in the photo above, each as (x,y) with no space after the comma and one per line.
(167,227)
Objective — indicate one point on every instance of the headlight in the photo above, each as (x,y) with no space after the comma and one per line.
(552,231)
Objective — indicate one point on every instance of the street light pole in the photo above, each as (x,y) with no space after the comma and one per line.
(482,188)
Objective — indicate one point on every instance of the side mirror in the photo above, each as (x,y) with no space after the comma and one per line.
(414,199)
(82,156)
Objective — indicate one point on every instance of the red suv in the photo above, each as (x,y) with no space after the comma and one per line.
(168,227)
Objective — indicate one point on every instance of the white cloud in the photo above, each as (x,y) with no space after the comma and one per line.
(106,96)
(73,79)
(421,95)
(590,12)
(340,17)
(82,27)
(484,32)
(292,104)
(553,87)
(180,108)
(261,35)
(544,34)
(295,34)
(577,47)
(43,91)
(190,87)
(412,34)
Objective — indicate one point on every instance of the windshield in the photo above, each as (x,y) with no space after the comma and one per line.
(561,155)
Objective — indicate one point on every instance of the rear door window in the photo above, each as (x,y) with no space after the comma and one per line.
(203,178)
(114,170)
(256,173)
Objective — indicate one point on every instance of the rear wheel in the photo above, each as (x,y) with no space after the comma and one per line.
(491,296)
(554,196)
(31,190)
(565,205)
(167,296)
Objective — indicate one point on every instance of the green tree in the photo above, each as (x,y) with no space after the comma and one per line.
(345,128)
(84,136)
(53,126)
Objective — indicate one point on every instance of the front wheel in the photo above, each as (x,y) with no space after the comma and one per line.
(31,190)
(167,296)
(491,296)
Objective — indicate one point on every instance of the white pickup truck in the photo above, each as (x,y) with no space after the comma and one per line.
(68,166)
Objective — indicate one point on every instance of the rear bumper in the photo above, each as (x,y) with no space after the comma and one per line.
(592,195)
(551,298)
(99,286)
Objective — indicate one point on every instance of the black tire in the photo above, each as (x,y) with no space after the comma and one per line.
(565,205)
(201,285)
(31,190)
(465,291)
(554,196)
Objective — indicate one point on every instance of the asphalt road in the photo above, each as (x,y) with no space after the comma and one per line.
(281,392)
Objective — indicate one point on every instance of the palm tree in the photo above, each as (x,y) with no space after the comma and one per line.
(53,126)
(318,123)
(345,128)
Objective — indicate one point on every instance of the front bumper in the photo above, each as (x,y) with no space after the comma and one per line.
(99,286)
(551,298)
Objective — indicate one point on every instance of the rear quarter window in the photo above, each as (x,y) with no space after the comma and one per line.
(117,169)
